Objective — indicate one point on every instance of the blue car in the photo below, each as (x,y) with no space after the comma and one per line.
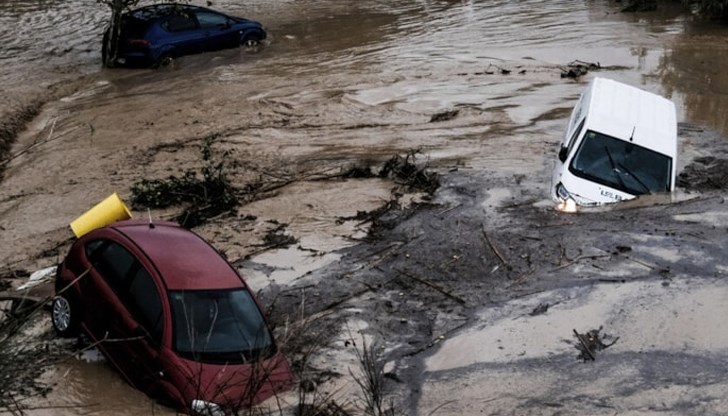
(153,35)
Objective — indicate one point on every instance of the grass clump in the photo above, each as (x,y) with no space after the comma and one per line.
(206,192)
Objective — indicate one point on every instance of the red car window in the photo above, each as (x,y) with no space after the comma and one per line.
(113,263)
(131,282)
(145,304)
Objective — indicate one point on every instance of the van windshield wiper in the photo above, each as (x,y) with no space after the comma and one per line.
(636,178)
(614,168)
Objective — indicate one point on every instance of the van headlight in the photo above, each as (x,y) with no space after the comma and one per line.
(203,408)
(566,201)
(562,193)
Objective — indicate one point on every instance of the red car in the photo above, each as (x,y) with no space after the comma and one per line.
(172,315)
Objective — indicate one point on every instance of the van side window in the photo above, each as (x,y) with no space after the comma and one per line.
(574,136)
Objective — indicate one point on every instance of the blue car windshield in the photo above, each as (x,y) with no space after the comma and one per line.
(621,165)
(223,326)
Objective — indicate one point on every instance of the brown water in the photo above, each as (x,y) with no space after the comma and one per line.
(415,51)
(337,82)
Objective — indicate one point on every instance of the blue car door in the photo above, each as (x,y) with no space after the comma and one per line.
(220,32)
(182,35)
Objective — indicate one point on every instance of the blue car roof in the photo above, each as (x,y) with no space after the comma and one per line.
(156,11)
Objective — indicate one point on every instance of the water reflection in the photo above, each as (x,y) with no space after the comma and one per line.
(92,387)
(692,70)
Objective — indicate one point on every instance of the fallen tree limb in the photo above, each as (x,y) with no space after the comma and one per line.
(432,285)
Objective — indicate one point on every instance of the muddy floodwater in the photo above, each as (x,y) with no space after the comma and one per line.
(350,83)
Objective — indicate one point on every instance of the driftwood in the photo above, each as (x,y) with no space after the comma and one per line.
(576,69)
(591,342)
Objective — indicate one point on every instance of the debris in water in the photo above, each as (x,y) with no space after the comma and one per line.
(39,277)
(541,309)
(575,69)
(359,172)
(405,171)
(444,116)
(592,342)
(502,71)
(640,6)
(277,238)
(704,174)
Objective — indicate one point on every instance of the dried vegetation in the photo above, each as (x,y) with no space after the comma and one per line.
(208,191)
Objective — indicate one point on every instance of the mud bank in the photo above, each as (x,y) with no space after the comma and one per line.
(448,295)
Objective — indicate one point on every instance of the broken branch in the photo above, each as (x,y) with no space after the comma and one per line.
(432,285)
(493,247)
(584,344)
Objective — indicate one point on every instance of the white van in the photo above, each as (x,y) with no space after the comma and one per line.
(621,142)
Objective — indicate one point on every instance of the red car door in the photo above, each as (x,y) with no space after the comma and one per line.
(109,320)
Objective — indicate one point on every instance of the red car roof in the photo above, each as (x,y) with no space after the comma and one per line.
(184,260)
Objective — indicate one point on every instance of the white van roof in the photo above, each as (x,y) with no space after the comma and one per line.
(618,110)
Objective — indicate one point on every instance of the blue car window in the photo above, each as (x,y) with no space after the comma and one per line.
(210,20)
(178,23)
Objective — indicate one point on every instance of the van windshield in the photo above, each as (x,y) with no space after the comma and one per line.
(621,165)
(222,326)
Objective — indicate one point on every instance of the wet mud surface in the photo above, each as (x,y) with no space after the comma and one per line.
(470,296)
(474,263)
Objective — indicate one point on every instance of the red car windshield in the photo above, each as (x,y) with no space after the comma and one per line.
(220,326)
